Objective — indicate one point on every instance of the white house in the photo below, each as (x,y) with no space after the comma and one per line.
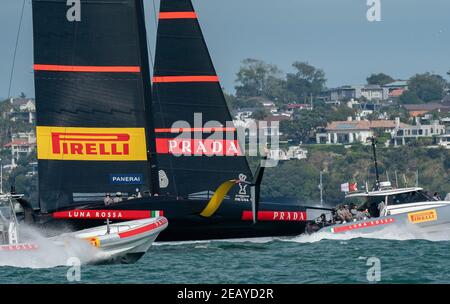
(350,131)
(408,133)
(22,144)
(294,152)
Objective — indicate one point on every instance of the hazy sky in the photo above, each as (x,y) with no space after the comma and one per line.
(413,36)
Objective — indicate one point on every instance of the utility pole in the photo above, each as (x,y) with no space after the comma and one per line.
(321,188)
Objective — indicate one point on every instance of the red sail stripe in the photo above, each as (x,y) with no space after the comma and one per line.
(177,15)
(294,216)
(171,79)
(143,229)
(204,130)
(87,69)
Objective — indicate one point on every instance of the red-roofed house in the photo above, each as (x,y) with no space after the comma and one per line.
(22,144)
(350,131)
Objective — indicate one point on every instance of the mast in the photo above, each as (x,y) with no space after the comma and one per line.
(151,146)
(1,176)
(377,175)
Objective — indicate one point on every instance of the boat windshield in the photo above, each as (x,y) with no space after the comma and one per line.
(409,197)
(5,213)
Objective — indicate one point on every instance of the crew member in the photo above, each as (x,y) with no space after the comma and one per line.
(381,208)
(358,215)
(118,198)
(437,197)
(108,200)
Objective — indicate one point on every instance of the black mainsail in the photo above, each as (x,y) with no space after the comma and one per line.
(196,142)
(91,82)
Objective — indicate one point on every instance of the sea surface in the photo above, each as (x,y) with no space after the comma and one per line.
(320,258)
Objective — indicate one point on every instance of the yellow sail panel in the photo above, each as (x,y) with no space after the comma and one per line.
(91,144)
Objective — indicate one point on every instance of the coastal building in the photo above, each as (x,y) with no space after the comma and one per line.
(403,135)
(23,109)
(396,89)
(368,92)
(351,131)
(243,113)
(298,106)
(294,152)
(21,145)
(416,110)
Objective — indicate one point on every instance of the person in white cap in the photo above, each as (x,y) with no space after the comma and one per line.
(118,197)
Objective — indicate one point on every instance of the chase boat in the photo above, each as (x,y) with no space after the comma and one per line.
(121,243)
(9,232)
(411,211)
(408,210)
(124,242)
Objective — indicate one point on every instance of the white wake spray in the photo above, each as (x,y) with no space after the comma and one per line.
(388,233)
(50,253)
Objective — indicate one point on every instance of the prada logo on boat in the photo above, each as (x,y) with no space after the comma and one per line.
(91,144)
(294,216)
(197,147)
(422,216)
(242,195)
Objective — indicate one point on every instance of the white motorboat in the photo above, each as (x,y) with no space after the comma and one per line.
(411,211)
(9,227)
(123,242)
(408,210)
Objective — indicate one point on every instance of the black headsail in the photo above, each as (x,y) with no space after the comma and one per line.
(196,143)
(91,80)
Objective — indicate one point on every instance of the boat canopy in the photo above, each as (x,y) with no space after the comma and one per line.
(384,192)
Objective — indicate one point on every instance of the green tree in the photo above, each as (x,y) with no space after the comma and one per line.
(256,78)
(307,81)
(300,128)
(339,113)
(409,97)
(259,114)
(427,87)
(380,79)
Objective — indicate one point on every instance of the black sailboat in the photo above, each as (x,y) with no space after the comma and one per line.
(169,149)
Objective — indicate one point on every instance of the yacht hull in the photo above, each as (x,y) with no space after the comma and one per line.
(232,219)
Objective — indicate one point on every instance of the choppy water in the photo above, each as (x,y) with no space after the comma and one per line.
(303,259)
